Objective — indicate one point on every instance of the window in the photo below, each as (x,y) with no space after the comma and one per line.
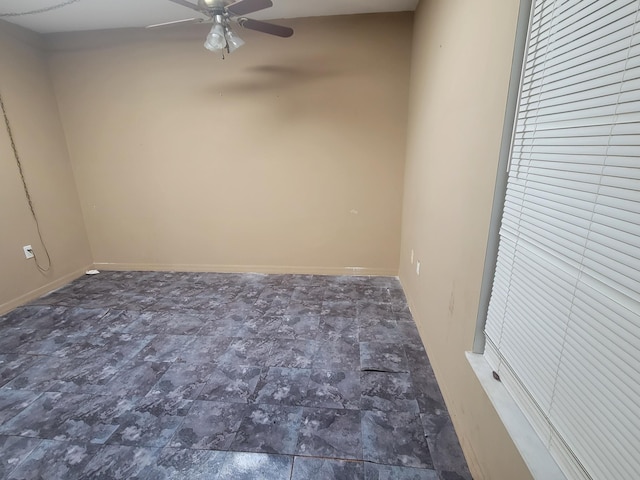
(563,324)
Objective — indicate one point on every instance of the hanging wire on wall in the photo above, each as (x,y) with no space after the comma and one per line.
(39,10)
(26,189)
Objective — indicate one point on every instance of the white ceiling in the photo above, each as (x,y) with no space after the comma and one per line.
(102,14)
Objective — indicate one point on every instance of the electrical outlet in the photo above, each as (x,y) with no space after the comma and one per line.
(418,268)
(28,251)
(411,257)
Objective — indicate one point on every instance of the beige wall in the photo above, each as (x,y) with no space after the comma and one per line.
(460,75)
(31,105)
(286,156)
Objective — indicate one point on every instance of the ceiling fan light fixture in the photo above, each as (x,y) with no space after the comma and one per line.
(216,40)
(233,41)
(220,13)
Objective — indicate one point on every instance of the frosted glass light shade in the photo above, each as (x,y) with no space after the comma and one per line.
(216,39)
(233,41)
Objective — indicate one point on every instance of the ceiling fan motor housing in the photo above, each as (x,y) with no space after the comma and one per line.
(212,4)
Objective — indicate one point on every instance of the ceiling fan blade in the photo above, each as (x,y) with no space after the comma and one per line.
(190,5)
(265,27)
(186,20)
(244,7)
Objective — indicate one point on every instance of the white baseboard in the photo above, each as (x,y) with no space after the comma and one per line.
(38,292)
(160,267)
(54,285)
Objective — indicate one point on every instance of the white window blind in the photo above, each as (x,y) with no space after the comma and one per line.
(563,326)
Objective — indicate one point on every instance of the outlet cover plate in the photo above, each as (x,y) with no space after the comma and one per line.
(28,251)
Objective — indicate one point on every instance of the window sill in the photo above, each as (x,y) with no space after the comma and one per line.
(533,451)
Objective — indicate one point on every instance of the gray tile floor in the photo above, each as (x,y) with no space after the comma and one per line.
(138,375)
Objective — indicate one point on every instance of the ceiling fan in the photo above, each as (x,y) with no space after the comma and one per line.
(221,13)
